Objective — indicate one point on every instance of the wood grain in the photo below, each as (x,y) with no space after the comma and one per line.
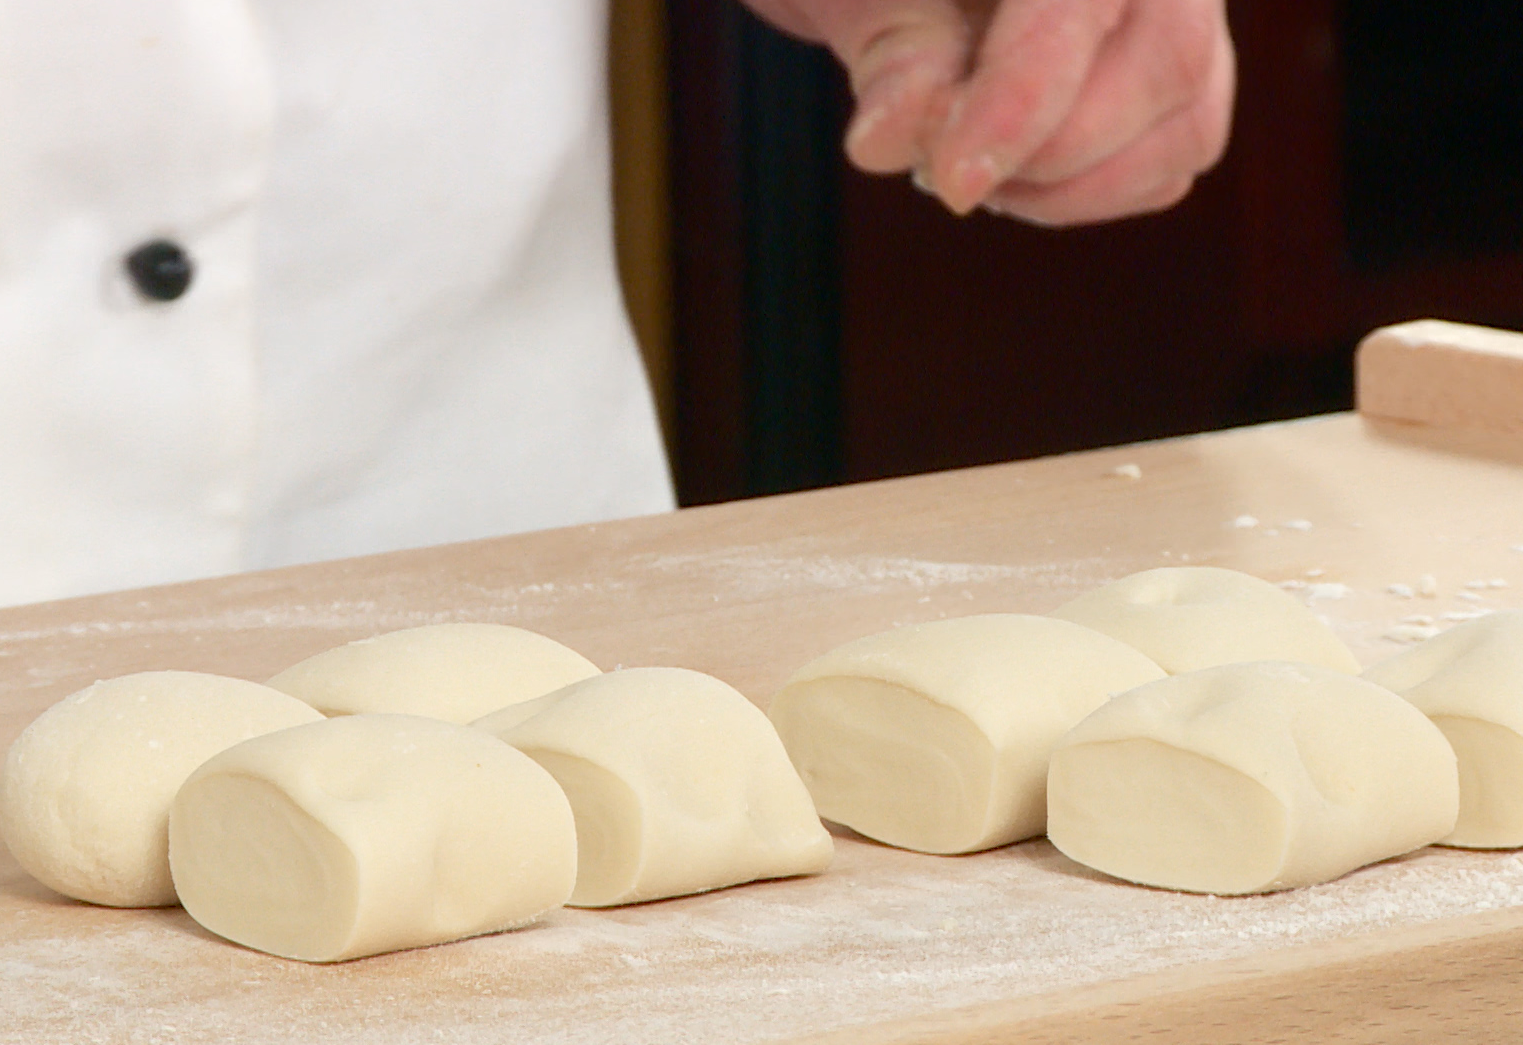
(887,946)
(1457,977)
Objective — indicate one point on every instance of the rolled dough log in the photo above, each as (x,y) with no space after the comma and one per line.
(1249,778)
(678,783)
(84,804)
(935,737)
(455,672)
(1469,681)
(1192,617)
(369,833)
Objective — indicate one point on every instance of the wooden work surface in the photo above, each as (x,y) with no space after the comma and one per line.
(1017,944)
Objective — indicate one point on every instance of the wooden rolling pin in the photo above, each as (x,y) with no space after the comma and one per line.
(1444,375)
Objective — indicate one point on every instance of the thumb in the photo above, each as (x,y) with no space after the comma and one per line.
(902,57)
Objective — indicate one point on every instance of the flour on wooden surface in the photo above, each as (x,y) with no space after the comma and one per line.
(884,935)
(759,573)
(504,603)
(1327,590)
(1411,632)
(338,615)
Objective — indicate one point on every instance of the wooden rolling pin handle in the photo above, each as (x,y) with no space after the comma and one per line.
(1441,374)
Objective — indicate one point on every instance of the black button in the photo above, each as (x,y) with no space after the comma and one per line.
(160,269)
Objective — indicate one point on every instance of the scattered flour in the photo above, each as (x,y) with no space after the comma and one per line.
(337,615)
(1327,590)
(882,936)
(1411,632)
(758,574)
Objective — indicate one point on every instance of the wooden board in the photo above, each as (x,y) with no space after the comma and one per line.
(1018,944)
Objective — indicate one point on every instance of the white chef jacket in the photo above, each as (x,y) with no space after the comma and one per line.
(403,326)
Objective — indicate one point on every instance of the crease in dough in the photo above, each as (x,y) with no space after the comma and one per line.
(1248,778)
(1469,681)
(1192,617)
(456,672)
(678,784)
(935,737)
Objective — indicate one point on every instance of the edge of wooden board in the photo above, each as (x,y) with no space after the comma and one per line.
(1452,977)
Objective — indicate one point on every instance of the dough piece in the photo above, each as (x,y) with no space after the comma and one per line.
(1192,617)
(1249,778)
(678,783)
(455,672)
(935,737)
(84,804)
(1469,681)
(366,834)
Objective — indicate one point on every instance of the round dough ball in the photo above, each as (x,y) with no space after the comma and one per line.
(678,784)
(84,804)
(455,672)
(1192,617)
(1469,682)
(366,834)
(1248,778)
(935,737)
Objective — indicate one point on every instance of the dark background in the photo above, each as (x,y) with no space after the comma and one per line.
(834,327)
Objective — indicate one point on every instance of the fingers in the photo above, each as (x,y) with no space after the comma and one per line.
(1059,111)
(1031,65)
(1087,110)
(898,110)
(1158,61)
(1150,173)
(903,58)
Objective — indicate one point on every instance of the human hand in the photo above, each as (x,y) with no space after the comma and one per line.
(1060,112)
